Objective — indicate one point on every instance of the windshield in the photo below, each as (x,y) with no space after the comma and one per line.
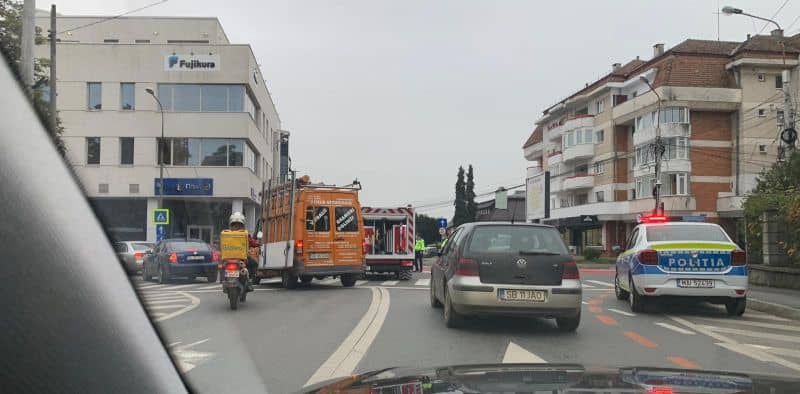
(516,239)
(686,233)
(422,184)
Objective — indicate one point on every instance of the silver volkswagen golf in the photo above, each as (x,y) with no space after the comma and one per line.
(507,269)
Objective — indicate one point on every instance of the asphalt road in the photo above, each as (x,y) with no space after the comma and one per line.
(281,340)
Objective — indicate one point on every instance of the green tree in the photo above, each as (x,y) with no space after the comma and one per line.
(460,214)
(471,206)
(10,46)
(426,228)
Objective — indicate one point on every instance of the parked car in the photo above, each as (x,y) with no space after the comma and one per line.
(131,254)
(189,258)
(507,269)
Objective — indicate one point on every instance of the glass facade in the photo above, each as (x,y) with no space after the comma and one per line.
(201,97)
(217,152)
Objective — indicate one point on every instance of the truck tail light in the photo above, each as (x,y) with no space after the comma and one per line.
(173,258)
(648,257)
(406,263)
(738,257)
(570,271)
(298,246)
(467,267)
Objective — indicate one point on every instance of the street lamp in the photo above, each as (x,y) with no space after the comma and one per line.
(160,151)
(658,148)
(728,10)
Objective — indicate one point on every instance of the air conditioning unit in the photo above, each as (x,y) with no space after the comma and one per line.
(762,149)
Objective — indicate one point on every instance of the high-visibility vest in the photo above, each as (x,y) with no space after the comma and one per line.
(419,245)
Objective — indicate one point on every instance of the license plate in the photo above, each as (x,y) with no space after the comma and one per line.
(523,295)
(701,283)
(195,258)
(319,256)
(231,274)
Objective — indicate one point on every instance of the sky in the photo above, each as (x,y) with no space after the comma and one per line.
(399,94)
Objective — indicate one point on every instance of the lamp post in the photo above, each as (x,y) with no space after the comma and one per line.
(728,10)
(658,149)
(160,151)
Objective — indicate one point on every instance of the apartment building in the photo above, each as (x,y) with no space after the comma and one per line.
(222,130)
(721,111)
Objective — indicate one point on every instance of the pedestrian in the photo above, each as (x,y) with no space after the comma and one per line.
(419,250)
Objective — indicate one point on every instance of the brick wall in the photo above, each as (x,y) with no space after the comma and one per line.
(711,125)
(706,194)
(707,161)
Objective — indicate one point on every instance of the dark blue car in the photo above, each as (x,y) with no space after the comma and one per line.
(188,258)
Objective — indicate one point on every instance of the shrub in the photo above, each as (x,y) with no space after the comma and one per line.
(591,254)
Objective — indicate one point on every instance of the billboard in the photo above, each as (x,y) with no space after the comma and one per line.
(535,197)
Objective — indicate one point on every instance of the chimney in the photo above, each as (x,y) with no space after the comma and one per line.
(658,50)
(748,36)
(615,67)
(777,33)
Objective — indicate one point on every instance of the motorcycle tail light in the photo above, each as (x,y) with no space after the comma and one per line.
(232,266)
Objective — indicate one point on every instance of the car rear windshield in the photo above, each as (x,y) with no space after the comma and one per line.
(142,246)
(688,233)
(189,245)
(516,239)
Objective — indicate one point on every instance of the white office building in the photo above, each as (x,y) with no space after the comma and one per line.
(221,127)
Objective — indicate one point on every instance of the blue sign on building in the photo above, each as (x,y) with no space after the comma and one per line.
(161,232)
(186,187)
(442,222)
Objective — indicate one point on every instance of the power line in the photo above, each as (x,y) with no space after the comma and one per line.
(773,16)
(113,17)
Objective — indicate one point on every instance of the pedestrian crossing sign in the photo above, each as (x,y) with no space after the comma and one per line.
(161,216)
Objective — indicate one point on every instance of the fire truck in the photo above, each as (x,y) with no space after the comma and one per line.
(389,236)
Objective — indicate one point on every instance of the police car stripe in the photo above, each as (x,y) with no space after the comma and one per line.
(693,246)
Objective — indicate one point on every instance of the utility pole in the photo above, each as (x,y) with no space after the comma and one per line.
(53,96)
(658,152)
(26,46)
(788,134)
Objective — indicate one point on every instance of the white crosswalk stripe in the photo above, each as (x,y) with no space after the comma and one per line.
(389,283)
(328,282)
(361,282)
(423,282)
(675,328)
(599,282)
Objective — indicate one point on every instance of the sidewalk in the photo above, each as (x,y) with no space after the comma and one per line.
(780,302)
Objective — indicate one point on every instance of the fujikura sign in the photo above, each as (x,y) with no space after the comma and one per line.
(191,62)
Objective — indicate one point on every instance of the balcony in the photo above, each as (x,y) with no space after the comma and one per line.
(582,151)
(648,134)
(672,204)
(729,205)
(534,151)
(671,165)
(555,185)
(578,122)
(554,158)
(615,208)
(583,181)
(555,133)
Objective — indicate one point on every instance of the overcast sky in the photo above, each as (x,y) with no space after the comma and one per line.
(400,93)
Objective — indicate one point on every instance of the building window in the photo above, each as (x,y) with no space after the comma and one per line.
(92,150)
(644,186)
(761,77)
(762,112)
(250,107)
(94,91)
(779,116)
(600,196)
(250,159)
(599,167)
(599,136)
(142,41)
(674,115)
(552,203)
(582,170)
(102,188)
(127,96)
(675,184)
(600,105)
(216,152)
(187,41)
(126,151)
(593,237)
(133,188)
(201,98)
(587,136)
(581,199)
(111,40)
(778,81)
(676,148)
(564,203)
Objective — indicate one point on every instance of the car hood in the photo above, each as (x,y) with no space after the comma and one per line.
(555,378)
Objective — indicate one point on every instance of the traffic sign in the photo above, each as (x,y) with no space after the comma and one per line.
(161,232)
(161,216)
(442,222)
(442,231)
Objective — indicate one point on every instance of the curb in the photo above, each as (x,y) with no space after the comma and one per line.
(773,308)
(595,265)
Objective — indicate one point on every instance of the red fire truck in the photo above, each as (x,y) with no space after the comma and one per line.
(389,235)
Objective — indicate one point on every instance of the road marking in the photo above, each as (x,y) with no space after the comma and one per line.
(607,320)
(220,290)
(187,359)
(168,306)
(599,282)
(585,286)
(402,288)
(157,314)
(216,286)
(595,309)
(167,301)
(584,303)
(734,346)
(623,313)
(756,334)
(361,282)
(779,351)
(346,358)
(160,295)
(608,290)
(194,303)
(683,363)
(762,315)
(389,283)
(183,286)
(676,329)
(423,282)
(640,339)
(757,324)
(150,287)
(515,354)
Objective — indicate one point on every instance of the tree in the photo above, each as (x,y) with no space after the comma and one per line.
(10,46)
(427,228)
(472,207)
(460,214)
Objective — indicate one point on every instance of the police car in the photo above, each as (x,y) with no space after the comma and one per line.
(677,258)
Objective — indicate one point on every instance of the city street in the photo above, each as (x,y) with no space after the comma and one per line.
(281,340)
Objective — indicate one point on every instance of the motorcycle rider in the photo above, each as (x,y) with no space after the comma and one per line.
(236,223)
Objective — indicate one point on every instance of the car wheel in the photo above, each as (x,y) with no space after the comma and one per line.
(306,279)
(288,280)
(451,318)
(637,301)
(619,291)
(405,275)
(163,275)
(568,324)
(145,276)
(434,302)
(736,306)
(348,280)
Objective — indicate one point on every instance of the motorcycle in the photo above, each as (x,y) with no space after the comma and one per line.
(234,282)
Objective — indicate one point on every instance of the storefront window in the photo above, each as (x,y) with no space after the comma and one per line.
(593,237)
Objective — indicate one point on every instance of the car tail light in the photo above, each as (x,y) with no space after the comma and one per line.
(649,289)
(232,266)
(214,256)
(406,263)
(738,257)
(364,246)
(571,271)
(739,292)
(648,257)
(138,255)
(467,267)
(298,246)
(173,258)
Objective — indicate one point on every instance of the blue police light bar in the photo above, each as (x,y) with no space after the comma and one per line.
(693,218)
